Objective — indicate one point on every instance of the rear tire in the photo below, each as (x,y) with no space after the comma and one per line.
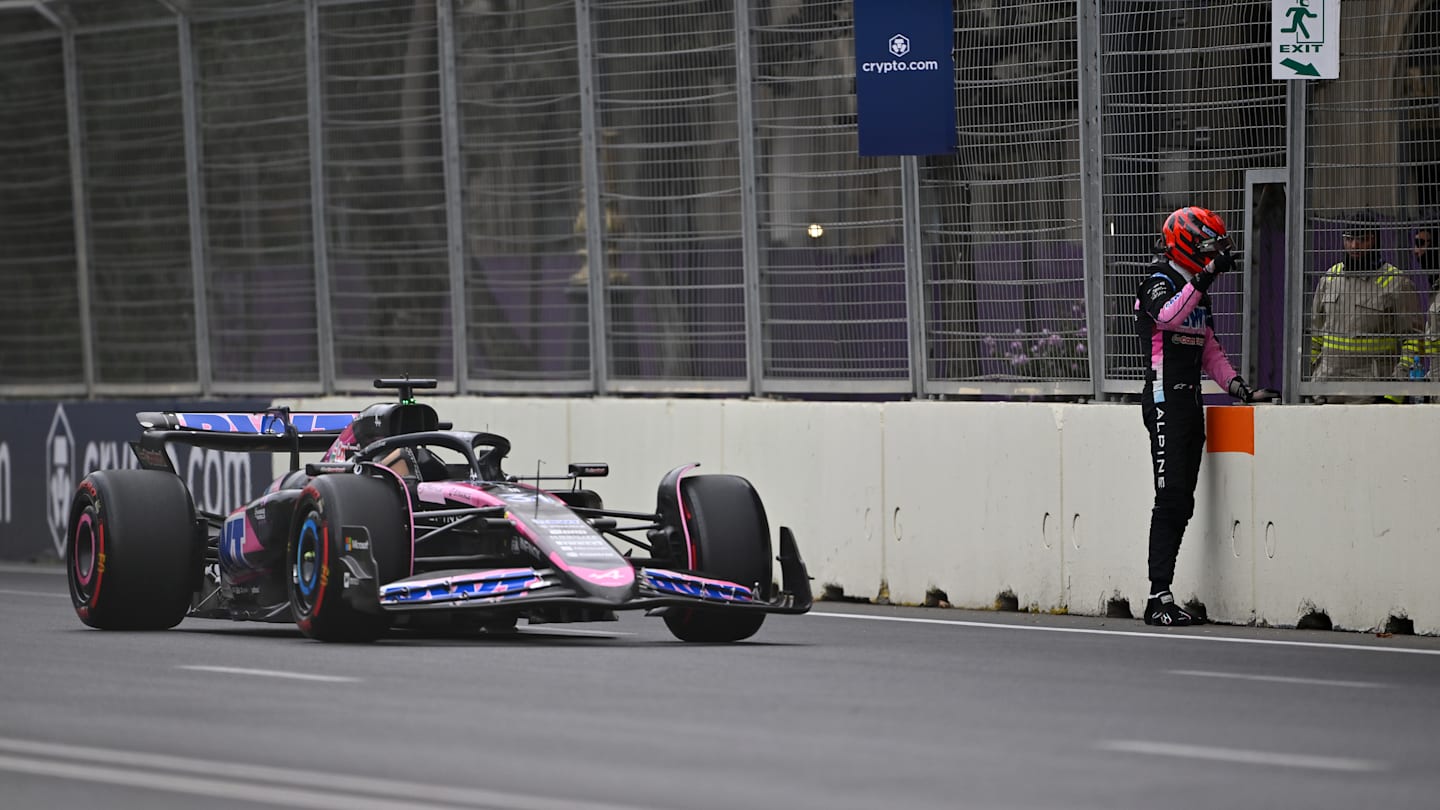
(730,540)
(316,575)
(133,550)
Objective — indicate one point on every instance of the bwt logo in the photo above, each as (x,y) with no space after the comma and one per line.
(899,44)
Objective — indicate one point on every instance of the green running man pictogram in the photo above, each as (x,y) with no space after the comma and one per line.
(1298,14)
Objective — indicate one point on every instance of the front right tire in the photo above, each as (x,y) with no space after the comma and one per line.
(729,539)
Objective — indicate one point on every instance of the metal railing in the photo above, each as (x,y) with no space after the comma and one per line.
(666,196)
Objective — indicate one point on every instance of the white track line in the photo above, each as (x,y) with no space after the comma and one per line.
(270,673)
(197,785)
(1200,673)
(9,592)
(16,568)
(123,764)
(1159,635)
(1242,756)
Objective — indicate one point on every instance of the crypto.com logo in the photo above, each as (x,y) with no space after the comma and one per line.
(899,44)
(60,483)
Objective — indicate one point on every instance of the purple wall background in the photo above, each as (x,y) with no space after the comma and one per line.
(829,313)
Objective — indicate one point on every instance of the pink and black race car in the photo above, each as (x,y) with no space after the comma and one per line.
(404,517)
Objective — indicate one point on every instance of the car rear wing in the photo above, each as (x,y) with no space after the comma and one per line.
(277,430)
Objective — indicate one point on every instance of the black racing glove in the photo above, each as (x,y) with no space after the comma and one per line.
(1223,262)
(1243,392)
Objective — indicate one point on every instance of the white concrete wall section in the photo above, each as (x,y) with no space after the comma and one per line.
(820,472)
(1347,513)
(538,429)
(1217,557)
(973,502)
(1105,514)
(1334,509)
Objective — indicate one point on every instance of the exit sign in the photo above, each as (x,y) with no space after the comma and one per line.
(1304,39)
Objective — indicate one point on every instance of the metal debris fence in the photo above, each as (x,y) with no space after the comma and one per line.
(203,197)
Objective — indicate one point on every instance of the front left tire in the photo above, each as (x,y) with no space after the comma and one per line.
(334,510)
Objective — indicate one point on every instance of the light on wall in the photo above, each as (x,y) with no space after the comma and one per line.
(816,230)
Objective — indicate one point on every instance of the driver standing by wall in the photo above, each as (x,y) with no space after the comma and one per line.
(1173,321)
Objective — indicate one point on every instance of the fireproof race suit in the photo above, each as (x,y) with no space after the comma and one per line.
(1173,321)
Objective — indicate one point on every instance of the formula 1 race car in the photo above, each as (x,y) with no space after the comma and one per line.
(406,521)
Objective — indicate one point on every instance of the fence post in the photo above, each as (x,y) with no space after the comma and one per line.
(1092,200)
(79,206)
(1295,346)
(195,194)
(320,236)
(915,310)
(749,202)
(454,179)
(594,216)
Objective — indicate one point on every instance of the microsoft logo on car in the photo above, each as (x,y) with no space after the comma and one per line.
(899,44)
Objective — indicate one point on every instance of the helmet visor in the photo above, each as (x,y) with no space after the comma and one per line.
(1213,246)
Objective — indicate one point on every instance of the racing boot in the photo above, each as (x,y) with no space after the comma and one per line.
(1161,610)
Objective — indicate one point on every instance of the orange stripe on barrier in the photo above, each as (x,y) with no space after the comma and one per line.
(1230,429)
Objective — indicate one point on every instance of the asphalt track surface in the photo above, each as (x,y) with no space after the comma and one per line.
(853,706)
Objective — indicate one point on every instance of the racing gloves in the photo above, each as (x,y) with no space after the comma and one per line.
(1222,263)
(1243,392)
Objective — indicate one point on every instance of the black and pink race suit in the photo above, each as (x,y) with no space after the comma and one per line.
(1172,318)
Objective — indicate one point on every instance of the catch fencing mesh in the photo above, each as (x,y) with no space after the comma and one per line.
(1188,107)
(831,252)
(41,342)
(1004,268)
(142,299)
(519,108)
(385,218)
(254,131)
(667,145)
(1373,158)
(305,165)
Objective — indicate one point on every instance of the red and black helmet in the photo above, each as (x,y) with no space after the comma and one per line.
(1193,236)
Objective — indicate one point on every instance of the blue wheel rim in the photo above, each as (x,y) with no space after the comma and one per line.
(307,559)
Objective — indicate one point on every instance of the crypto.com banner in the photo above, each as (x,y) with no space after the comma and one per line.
(905,77)
(47,447)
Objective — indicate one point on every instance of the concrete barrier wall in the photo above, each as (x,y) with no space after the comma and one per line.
(1334,508)
(1347,513)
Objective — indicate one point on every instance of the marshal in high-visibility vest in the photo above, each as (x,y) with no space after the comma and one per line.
(1366,322)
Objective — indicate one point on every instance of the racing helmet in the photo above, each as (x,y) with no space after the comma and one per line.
(372,424)
(1192,236)
(391,419)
